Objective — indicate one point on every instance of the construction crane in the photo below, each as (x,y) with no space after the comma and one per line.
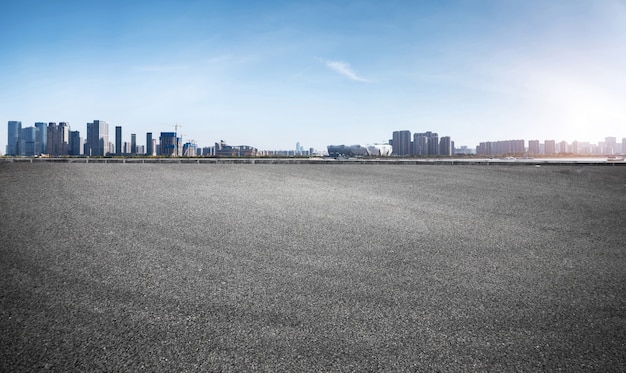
(176,137)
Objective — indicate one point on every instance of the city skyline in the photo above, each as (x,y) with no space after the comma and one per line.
(59,140)
(273,73)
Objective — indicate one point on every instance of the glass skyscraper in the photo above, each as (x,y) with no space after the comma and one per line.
(133,144)
(97,138)
(170,144)
(118,140)
(149,147)
(28,141)
(13,140)
(75,143)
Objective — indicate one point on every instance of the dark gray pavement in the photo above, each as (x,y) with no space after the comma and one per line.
(189,267)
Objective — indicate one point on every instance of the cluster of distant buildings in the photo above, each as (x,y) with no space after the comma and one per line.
(421,144)
(609,146)
(405,144)
(402,144)
(57,139)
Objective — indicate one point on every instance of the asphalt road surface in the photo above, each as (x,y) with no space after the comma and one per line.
(183,267)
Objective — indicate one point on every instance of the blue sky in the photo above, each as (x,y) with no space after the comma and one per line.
(270,73)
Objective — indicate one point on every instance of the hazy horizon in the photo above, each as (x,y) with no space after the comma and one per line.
(279,72)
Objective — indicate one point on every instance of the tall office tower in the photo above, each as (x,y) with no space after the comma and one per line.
(533,146)
(445,146)
(118,140)
(64,138)
(42,137)
(610,145)
(482,148)
(133,144)
(97,138)
(58,138)
(13,140)
(52,133)
(28,141)
(149,147)
(420,144)
(433,143)
(549,147)
(401,142)
(168,144)
(75,143)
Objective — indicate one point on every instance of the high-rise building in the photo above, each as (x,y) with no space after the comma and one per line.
(75,143)
(28,141)
(401,142)
(189,149)
(610,146)
(549,147)
(13,140)
(170,144)
(624,146)
(562,148)
(58,138)
(149,145)
(533,146)
(433,143)
(118,140)
(52,133)
(133,144)
(420,144)
(64,138)
(97,138)
(42,137)
(445,146)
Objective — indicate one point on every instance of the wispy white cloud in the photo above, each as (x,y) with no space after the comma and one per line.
(161,68)
(343,68)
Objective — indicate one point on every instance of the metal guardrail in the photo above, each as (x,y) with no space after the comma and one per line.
(356,161)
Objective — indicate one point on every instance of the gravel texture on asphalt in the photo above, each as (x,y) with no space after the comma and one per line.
(124,267)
